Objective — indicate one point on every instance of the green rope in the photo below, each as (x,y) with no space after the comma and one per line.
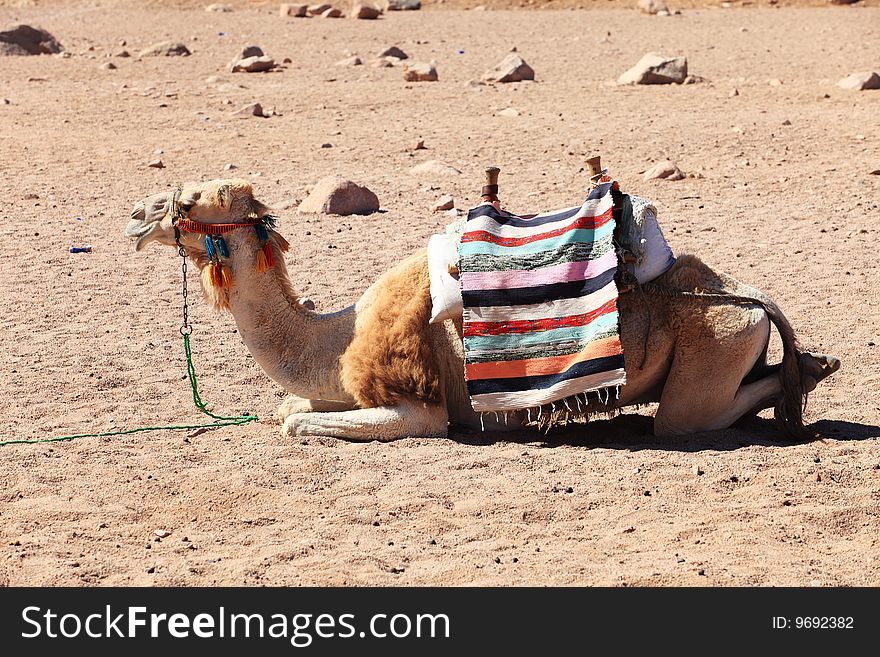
(222,420)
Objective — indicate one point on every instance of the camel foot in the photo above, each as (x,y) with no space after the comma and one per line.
(815,367)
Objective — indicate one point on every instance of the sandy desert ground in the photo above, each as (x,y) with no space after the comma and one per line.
(782,197)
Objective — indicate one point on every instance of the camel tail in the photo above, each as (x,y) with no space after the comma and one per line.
(789,412)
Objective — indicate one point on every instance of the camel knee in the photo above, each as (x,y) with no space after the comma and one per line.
(293,404)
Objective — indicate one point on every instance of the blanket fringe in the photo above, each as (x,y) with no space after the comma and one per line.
(579,409)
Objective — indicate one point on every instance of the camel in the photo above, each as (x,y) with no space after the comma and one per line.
(695,340)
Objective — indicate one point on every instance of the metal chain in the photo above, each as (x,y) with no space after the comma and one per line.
(185,327)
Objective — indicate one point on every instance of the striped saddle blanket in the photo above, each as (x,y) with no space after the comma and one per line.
(540,317)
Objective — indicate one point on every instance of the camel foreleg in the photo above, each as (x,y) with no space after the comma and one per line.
(385,423)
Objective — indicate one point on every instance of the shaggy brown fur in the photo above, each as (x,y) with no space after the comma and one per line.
(390,357)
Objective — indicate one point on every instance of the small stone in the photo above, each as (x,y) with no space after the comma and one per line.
(860,81)
(333,12)
(247,521)
(228,167)
(434,168)
(734,93)
(327,145)
(123,54)
(147,546)
(108,66)
(786,122)
(697,470)
(253,65)
(734,478)
(701,571)
(875,172)
(508,112)
(317,10)
(663,170)
(420,72)
(151,569)
(103,525)
(775,82)
(569,489)
(432,541)
(162,533)
(419,145)
(654,68)
(336,195)
(629,530)
(647,493)
(220,9)
(156,164)
(365,12)
(512,68)
(166,49)
(294,11)
(74,564)
(393,51)
(350,61)
(446,202)
(384,62)
(652,6)
(254,109)
(402,5)
(497,559)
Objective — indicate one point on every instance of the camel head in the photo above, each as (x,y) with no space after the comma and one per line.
(203,217)
(212,202)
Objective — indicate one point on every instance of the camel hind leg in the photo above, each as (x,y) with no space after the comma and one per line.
(704,389)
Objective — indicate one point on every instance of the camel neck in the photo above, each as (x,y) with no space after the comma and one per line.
(297,348)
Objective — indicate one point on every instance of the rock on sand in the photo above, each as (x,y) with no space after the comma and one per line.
(656,69)
(512,68)
(166,49)
(861,81)
(336,195)
(27,40)
(664,170)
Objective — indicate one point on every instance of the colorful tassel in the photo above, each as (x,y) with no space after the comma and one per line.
(265,258)
(221,246)
(225,277)
(262,263)
(210,251)
(270,258)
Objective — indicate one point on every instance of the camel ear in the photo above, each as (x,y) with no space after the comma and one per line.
(224,195)
(259,210)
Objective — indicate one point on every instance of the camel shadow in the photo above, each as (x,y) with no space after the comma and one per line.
(635,433)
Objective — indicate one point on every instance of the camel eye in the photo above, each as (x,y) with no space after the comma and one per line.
(186,206)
